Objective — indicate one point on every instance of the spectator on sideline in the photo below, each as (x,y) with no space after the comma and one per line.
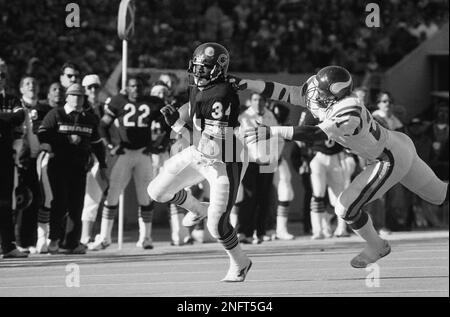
(70,74)
(392,214)
(55,95)
(385,113)
(252,211)
(70,134)
(27,216)
(11,117)
(95,184)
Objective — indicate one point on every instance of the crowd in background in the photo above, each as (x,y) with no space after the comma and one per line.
(293,36)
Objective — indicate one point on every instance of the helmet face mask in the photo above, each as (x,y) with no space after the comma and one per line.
(209,63)
(202,74)
(317,99)
(328,86)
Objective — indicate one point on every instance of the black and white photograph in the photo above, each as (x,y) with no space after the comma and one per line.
(225,154)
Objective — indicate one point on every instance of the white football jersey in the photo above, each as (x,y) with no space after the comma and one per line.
(347,122)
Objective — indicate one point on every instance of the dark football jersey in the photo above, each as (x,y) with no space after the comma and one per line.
(214,111)
(328,147)
(135,119)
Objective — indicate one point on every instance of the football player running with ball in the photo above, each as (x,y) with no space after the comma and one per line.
(344,119)
(212,115)
(135,114)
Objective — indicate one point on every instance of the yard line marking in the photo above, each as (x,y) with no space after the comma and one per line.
(163,262)
(216,281)
(39,277)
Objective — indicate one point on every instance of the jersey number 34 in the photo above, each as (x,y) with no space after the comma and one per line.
(136,117)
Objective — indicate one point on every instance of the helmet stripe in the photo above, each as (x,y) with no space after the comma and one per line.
(336,88)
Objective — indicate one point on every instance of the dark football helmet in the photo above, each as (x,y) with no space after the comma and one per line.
(329,85)
(209,62)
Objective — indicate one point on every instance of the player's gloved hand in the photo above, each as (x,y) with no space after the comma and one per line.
(252,135)
(264,132)
(236,82)
(171,114)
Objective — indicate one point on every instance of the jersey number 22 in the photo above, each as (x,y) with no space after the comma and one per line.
(131,120)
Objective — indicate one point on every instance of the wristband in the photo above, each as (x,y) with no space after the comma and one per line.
(178,126)
(284,132)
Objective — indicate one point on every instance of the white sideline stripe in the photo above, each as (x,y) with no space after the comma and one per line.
(203,282)
(220,258)
(171,256)
(38,277)
(180,255)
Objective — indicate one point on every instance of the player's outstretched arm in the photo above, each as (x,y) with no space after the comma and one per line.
(299,133)
(270,90)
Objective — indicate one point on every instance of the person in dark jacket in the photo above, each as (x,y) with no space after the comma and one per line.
(69,134)
(11,117)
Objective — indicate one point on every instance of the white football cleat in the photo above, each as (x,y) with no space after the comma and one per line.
(191,219)
(99,243)
(318,236)
(32,250)
(369,255)
(202,236)
(235,275)
(42,245)
(327,234)
(341,233)
(284,236)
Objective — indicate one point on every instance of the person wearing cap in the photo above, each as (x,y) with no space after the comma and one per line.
(11,116)
(92,84)
(69,134)
(95,184)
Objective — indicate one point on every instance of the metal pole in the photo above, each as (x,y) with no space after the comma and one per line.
(124,63)
(121,198)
